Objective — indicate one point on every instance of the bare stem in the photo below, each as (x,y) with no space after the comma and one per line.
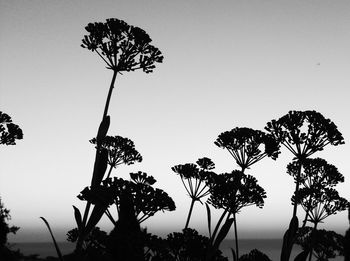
(236,237)
(190,213)
(110,93)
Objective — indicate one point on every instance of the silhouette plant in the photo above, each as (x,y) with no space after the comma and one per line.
(247,146)
(9,132)
(146,200)
(193,177)
(232,192)
(324,244)
(316,174)
(120,151)
(303,133)
(190,246)
(346,242)
(123,48)
(5,229)
(319,203)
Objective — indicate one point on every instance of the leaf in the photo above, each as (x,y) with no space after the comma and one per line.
(78,218)
(209,219)
(102,130)
(223,233)
(288,239)
(54,241)
(95,217)
(302,256)
(100,167)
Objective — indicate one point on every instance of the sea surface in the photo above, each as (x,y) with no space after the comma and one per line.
(271,247)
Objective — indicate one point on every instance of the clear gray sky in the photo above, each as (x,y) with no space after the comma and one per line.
(227,64)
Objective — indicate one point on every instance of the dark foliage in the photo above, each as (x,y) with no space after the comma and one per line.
(9,132)
(326,244)
(190,246)
(254,255)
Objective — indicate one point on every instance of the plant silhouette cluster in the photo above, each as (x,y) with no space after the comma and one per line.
(128,203)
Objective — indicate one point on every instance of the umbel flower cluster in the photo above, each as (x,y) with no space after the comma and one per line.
(121,46)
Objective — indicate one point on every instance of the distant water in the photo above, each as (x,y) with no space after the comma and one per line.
(270,247)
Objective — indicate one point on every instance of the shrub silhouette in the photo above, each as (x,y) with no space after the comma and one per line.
(5,252)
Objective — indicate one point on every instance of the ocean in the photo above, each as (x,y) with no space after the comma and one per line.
(271,247)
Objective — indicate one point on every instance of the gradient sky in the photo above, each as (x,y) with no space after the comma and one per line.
(227,64)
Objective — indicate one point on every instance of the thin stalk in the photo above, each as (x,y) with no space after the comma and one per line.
(109,172)
(236,237)
(295,206)
(115,72)
(190,213)
(312,240)
(217,226)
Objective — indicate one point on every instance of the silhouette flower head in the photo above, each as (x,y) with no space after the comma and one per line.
(320,202)
(122,47)
(304,132)
(146,199)
(233,191)
(194,177)
(315,171)
(120,150)
(245,145)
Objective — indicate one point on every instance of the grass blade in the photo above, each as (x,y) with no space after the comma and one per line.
(54,240)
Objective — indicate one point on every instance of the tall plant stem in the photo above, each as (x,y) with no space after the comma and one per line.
(312,240)
(189,213)
(115,72)
(88,204)
(297,185)
(236,236)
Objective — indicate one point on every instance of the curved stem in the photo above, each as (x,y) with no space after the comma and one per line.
(217,226)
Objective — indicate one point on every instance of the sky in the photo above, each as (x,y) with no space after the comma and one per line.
(226,64)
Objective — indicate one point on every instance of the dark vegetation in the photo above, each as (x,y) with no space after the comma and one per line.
(128,203)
